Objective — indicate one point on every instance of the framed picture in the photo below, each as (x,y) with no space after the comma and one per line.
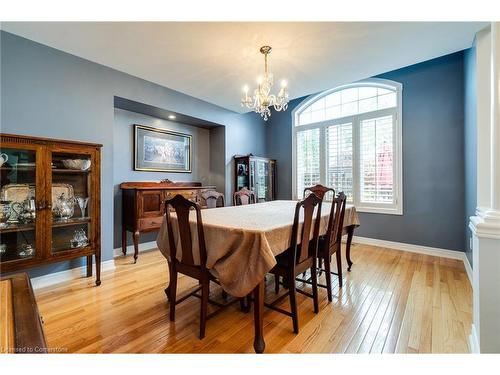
(161,150)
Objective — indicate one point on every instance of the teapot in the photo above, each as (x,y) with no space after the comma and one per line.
(65,207)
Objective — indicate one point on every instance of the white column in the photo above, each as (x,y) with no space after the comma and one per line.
(495,119)
(485,226)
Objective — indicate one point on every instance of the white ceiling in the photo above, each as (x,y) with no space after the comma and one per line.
(212,61)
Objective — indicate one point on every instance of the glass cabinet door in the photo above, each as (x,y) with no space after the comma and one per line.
(263,181)
(19,203)
(71,201)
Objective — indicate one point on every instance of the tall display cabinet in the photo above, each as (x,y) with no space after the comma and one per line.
(257,174)
(50,202)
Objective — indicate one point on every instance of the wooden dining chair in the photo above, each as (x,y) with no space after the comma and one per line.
(212,199)
(319,190)
(299,257)
(331,242)
(187,265)
(243,197)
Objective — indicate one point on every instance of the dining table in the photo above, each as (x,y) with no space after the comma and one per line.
(242,243)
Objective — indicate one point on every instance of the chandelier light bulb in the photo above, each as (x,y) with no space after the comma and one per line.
(284,83)
(245,89)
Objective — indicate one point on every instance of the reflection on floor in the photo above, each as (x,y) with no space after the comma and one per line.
(392,301)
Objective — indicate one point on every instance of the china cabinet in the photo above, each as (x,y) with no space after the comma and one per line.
(256,174)
(49,202)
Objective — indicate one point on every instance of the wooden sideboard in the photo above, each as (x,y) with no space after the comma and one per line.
(143,205)
(21,325)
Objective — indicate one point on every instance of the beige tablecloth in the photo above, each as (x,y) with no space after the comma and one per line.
(242,241)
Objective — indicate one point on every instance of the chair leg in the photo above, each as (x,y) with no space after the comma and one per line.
(173,291)
(328,277)
(314,280)
(205,291)
(276,284)
(339,267)
(245,304)
(293,303)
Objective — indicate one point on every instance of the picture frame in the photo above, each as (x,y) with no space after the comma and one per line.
(161,150)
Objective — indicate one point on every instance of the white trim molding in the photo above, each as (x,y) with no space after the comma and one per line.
(130,249)
(68,275)
(473,341)
(485,225)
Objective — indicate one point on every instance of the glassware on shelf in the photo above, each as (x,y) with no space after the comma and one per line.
(26,210)
(27,250)
(76,164)
(5,211)
(82,203)
(3,159)
(65,207)
(79,239)
(3,249)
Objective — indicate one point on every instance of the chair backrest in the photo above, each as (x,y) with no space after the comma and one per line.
(336,223)
(319,190)
(182,207)
(243,196)
(307,247)
(211,198)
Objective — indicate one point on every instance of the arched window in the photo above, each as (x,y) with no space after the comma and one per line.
(349,138)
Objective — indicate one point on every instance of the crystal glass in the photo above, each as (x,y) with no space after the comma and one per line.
(82,203)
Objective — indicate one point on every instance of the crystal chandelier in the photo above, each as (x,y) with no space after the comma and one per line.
(262,99)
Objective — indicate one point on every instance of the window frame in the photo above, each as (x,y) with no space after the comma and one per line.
(381,208)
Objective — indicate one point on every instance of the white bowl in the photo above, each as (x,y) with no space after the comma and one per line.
(79,164)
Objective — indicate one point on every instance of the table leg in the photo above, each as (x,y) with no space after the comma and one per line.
(258,294)
(350,233)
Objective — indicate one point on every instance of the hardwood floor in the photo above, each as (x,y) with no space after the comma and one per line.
(392,301)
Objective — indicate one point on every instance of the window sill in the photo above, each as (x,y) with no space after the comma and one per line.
(378,210)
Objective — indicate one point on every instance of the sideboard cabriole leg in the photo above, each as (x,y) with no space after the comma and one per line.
(124,241)
(136,246)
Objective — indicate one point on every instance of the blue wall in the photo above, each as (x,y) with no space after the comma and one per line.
(470,143)
(46,92)
(433,157)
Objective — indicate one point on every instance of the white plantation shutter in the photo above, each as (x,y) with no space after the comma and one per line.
(308,159)
(339,159)
(376,160)
(349,139)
